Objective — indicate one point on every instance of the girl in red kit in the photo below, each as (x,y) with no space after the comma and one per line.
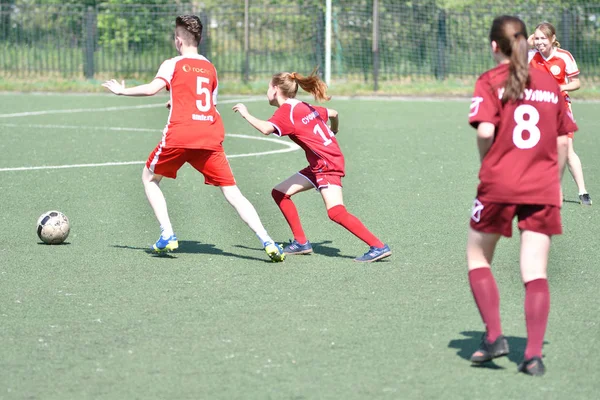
(306,125)
(522,124)
(547,56)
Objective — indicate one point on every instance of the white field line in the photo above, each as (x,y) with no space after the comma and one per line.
(114,108)
(289,146)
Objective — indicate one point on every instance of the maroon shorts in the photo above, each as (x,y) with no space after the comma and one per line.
(212,164)
(321,179)
(490,217)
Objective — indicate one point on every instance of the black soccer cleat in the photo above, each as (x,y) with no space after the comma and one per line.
(488,351)
(585,199)
(533,366)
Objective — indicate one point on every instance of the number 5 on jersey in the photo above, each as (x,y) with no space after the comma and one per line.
(203,104)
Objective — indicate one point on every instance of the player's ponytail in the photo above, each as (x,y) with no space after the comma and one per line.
(510,34)
(288,84)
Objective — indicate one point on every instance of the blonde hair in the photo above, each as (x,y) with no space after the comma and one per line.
(288,84)
(549,31)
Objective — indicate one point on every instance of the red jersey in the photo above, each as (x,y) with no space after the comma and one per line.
(521,166)
(561,65)
(306,126)
(194,122)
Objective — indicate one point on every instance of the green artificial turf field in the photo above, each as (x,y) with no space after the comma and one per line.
(100,318)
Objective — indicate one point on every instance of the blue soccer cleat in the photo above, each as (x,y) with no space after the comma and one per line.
(374,254)
(274,251)
(296,248)
(163,245)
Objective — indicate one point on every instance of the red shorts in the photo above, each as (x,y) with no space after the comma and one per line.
(497,218)
(212,164)
(320,180)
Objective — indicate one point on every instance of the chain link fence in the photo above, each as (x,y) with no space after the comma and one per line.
(407,40)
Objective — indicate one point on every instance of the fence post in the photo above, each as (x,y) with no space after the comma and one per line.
(440,69)
(565,31)
(90,42)
(375,47)
(246,65)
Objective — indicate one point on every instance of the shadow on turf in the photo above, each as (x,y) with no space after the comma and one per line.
(194,247)
(318,248)
(467,346)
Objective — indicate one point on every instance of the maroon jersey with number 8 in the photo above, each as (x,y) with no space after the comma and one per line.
(521,167)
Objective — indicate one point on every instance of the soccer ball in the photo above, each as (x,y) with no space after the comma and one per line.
(53,227)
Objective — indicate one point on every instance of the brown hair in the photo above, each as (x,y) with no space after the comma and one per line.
(189,29)
(549,30)
(510,34)
(288,84)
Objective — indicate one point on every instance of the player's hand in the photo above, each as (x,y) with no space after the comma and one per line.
(241,108)
(168,105)
(530,41)
(114,86)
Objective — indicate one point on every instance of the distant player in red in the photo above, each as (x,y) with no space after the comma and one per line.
(522,124)
(547,56)
(306,125)
(194,134)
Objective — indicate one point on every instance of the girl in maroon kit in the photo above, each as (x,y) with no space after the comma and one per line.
(306,125)
(522,125)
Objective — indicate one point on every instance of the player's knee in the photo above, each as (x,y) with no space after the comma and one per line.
(336,213)
(278,196)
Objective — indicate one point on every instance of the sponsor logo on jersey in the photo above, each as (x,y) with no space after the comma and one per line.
(555,69)
(202,117)
(187,68)
(475,102)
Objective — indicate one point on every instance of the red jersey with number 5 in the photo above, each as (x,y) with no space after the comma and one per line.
(307,126)
(521,167)
(194,122)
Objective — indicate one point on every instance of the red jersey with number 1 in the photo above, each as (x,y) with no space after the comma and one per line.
(307,126)
(194,122)
(521,166)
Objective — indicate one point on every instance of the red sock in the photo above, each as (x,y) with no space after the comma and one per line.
(537,308)
(287,207)
(487,298)
(340,215)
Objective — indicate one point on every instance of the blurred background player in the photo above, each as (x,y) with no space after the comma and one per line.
(547,56)
(306,125)
(524,136)
(194,134)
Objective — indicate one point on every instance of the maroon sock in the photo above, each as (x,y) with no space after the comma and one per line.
(537,308)
(487,298)
(340,215)
(288,208)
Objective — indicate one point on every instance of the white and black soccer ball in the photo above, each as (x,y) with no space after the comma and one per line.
(53,227)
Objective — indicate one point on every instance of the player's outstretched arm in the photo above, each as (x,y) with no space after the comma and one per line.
(263,127)
(148,89)
(334,119)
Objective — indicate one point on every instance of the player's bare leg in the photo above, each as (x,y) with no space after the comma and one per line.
(282,194)
(480,252)
(576,170)
(535,248)
(248,214)
(157,201)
